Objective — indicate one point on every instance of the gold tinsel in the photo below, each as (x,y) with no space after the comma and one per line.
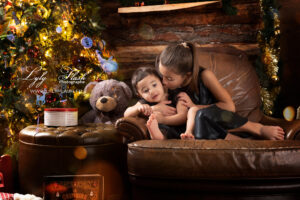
(270,59)
(268,43)
(268,98)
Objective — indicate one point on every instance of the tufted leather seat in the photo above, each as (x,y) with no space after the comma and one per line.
(86,149)
(79,135)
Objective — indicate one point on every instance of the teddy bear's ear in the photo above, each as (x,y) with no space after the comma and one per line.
(126,89)
(89,87)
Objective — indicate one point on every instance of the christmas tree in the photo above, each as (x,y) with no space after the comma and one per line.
(49,50)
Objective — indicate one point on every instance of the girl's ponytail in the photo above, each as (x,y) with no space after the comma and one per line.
(195,72)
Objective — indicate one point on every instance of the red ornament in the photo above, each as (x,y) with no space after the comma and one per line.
(33,52)
(51,97)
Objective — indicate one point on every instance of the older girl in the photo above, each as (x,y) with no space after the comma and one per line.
(210,105)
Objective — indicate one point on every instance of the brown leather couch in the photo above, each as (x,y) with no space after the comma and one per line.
(217,169)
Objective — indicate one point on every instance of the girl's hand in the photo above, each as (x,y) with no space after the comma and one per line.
(163,108)
(145,109)
(185,99)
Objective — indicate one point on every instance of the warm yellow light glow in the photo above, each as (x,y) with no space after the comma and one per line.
(65,23)
(80,153)
(23,22)
(43,63)
(42,11)
(11,23)
(48,53)
(289,113)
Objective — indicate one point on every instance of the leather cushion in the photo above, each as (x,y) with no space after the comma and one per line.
(77,135)
(237,75)
(217,159)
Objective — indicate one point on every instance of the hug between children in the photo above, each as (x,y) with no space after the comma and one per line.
(184,100)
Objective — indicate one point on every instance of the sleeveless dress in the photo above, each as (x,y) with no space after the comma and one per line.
(211,122)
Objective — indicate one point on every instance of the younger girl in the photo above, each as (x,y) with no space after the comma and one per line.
(147,85)
(210,106)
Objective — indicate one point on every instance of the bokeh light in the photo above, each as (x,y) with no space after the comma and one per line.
(80,153)
(289,113)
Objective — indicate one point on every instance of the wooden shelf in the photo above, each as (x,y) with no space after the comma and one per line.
(166,7)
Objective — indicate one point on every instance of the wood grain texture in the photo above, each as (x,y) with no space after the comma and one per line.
(166,7)
(136,38)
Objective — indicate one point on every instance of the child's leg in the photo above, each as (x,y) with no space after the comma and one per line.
(190,124)
(153,128)
(266,132)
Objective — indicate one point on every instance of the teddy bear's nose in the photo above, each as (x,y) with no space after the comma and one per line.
(103,100)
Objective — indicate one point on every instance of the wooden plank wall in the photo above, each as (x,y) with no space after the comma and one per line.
(136,39)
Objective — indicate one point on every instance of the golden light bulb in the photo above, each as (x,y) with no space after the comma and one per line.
(11,23)
(275,78)
(23,22)
(65,23)
(27,105)
(48,53)
(43,63)
(289,113)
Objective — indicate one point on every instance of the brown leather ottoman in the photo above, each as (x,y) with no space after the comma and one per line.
(88,149)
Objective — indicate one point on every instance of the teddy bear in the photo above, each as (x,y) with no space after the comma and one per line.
(108,99)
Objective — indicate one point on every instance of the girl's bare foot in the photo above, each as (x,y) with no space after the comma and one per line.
(187,136)
(152,126)
(272,132)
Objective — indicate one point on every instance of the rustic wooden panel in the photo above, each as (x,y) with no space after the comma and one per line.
(148,35)
(132,57)
(247,13)
(141,28)
(136,39)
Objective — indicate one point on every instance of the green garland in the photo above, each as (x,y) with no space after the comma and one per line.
(269,66)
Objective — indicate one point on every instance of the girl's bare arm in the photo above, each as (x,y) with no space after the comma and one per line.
(132,111)
(220,93)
